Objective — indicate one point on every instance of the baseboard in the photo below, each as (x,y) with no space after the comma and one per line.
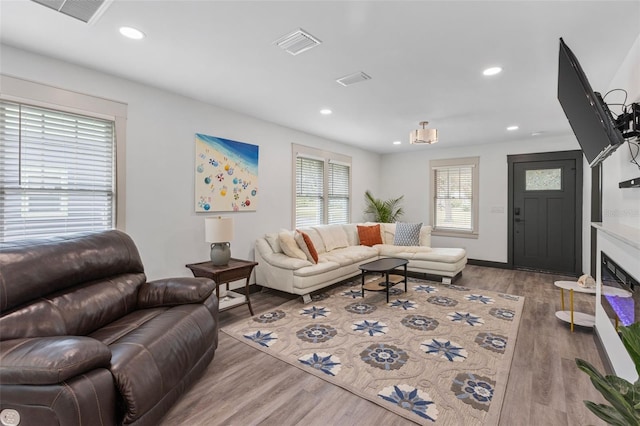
(488,263)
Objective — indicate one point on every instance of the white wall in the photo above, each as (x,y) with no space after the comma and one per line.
(623,205)
(408,174)
(161,125)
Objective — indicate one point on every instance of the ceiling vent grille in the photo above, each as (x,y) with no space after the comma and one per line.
(354,78)
(297,42)
(85,10)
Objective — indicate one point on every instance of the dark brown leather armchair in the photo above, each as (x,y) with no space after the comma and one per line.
(86,340)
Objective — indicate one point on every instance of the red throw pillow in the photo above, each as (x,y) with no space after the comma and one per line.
(308,245)
(369,235)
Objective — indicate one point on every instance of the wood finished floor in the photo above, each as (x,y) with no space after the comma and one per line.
(244,386)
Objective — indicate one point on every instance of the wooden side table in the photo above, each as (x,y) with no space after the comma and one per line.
(236,269)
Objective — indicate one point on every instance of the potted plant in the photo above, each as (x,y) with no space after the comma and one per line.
(623,395)
(387,211)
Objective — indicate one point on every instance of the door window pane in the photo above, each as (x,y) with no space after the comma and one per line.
(543,180)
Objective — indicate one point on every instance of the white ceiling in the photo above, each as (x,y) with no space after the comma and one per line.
(425,59)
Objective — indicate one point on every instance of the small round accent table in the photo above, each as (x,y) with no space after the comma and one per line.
(579,318)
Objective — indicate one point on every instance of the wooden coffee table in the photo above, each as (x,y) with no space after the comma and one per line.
(384,266)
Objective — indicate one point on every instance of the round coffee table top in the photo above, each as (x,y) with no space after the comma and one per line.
(573,285)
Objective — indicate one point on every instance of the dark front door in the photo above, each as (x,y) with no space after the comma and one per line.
(545,217)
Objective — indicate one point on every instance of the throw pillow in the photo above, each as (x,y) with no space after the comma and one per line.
(407,234)
(289,246)
(369,235)
(306,245)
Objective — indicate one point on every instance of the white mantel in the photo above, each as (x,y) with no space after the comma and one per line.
(622,244)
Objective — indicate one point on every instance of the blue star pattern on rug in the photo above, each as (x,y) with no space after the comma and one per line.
(352,293)
(420,322)
(315,312)
(263,338)
(412,399)
(474,390)
(425,288)
(327,363)
(492,342)
(316,333)
(447,349)
(372,328)
(407,305)
(465,318)
(268,317)
(385,357)
(503,313)
(480,299)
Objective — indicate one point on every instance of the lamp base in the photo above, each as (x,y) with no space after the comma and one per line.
(220,254)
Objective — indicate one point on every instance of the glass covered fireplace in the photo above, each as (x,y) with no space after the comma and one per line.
(620,293)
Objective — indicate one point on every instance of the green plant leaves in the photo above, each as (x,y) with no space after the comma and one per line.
(631,340)
(623,396)
(383,211)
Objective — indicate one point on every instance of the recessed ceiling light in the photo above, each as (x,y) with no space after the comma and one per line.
(326,111)
(512,128)
(492,71)
(132,33)
(397,142)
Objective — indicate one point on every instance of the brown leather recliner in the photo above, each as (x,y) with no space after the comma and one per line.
(86,340)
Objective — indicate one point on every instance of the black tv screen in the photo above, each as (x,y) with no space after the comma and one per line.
(587,113)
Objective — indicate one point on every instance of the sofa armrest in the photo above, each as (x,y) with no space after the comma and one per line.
(174,291)
(50,360)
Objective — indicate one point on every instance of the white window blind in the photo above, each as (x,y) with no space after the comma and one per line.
(309,191)
(57,172)
(453,204)
(338,206)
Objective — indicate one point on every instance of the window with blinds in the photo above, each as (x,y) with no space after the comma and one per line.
(309,191)
(57,172)
(322,187)
(338,206)
(454,205)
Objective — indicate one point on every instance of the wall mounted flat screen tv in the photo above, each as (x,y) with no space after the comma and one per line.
(588,115)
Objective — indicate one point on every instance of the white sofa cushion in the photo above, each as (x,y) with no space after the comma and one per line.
(333,236)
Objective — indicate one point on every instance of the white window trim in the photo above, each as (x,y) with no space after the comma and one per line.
(45,96)
(319,154)
(474,162)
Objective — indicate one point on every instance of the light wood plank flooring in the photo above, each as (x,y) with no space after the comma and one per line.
(243,386)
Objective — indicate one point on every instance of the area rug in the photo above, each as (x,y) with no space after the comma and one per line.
(437,354)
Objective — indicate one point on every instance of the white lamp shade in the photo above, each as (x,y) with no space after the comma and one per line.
(427,136)
(218,229)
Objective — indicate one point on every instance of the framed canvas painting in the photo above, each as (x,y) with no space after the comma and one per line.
(226,174)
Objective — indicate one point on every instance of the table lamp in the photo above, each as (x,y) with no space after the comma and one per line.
(218,232)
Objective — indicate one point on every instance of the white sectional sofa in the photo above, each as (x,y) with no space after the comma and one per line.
(339,258)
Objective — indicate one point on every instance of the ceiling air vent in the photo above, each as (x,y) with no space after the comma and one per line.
(85,10)
(354,78)
(297,42)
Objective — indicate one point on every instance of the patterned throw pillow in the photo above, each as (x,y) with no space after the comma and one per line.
(407,234)
(369,235)
(306,245)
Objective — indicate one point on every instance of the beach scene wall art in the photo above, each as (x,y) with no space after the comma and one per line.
(226,174)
